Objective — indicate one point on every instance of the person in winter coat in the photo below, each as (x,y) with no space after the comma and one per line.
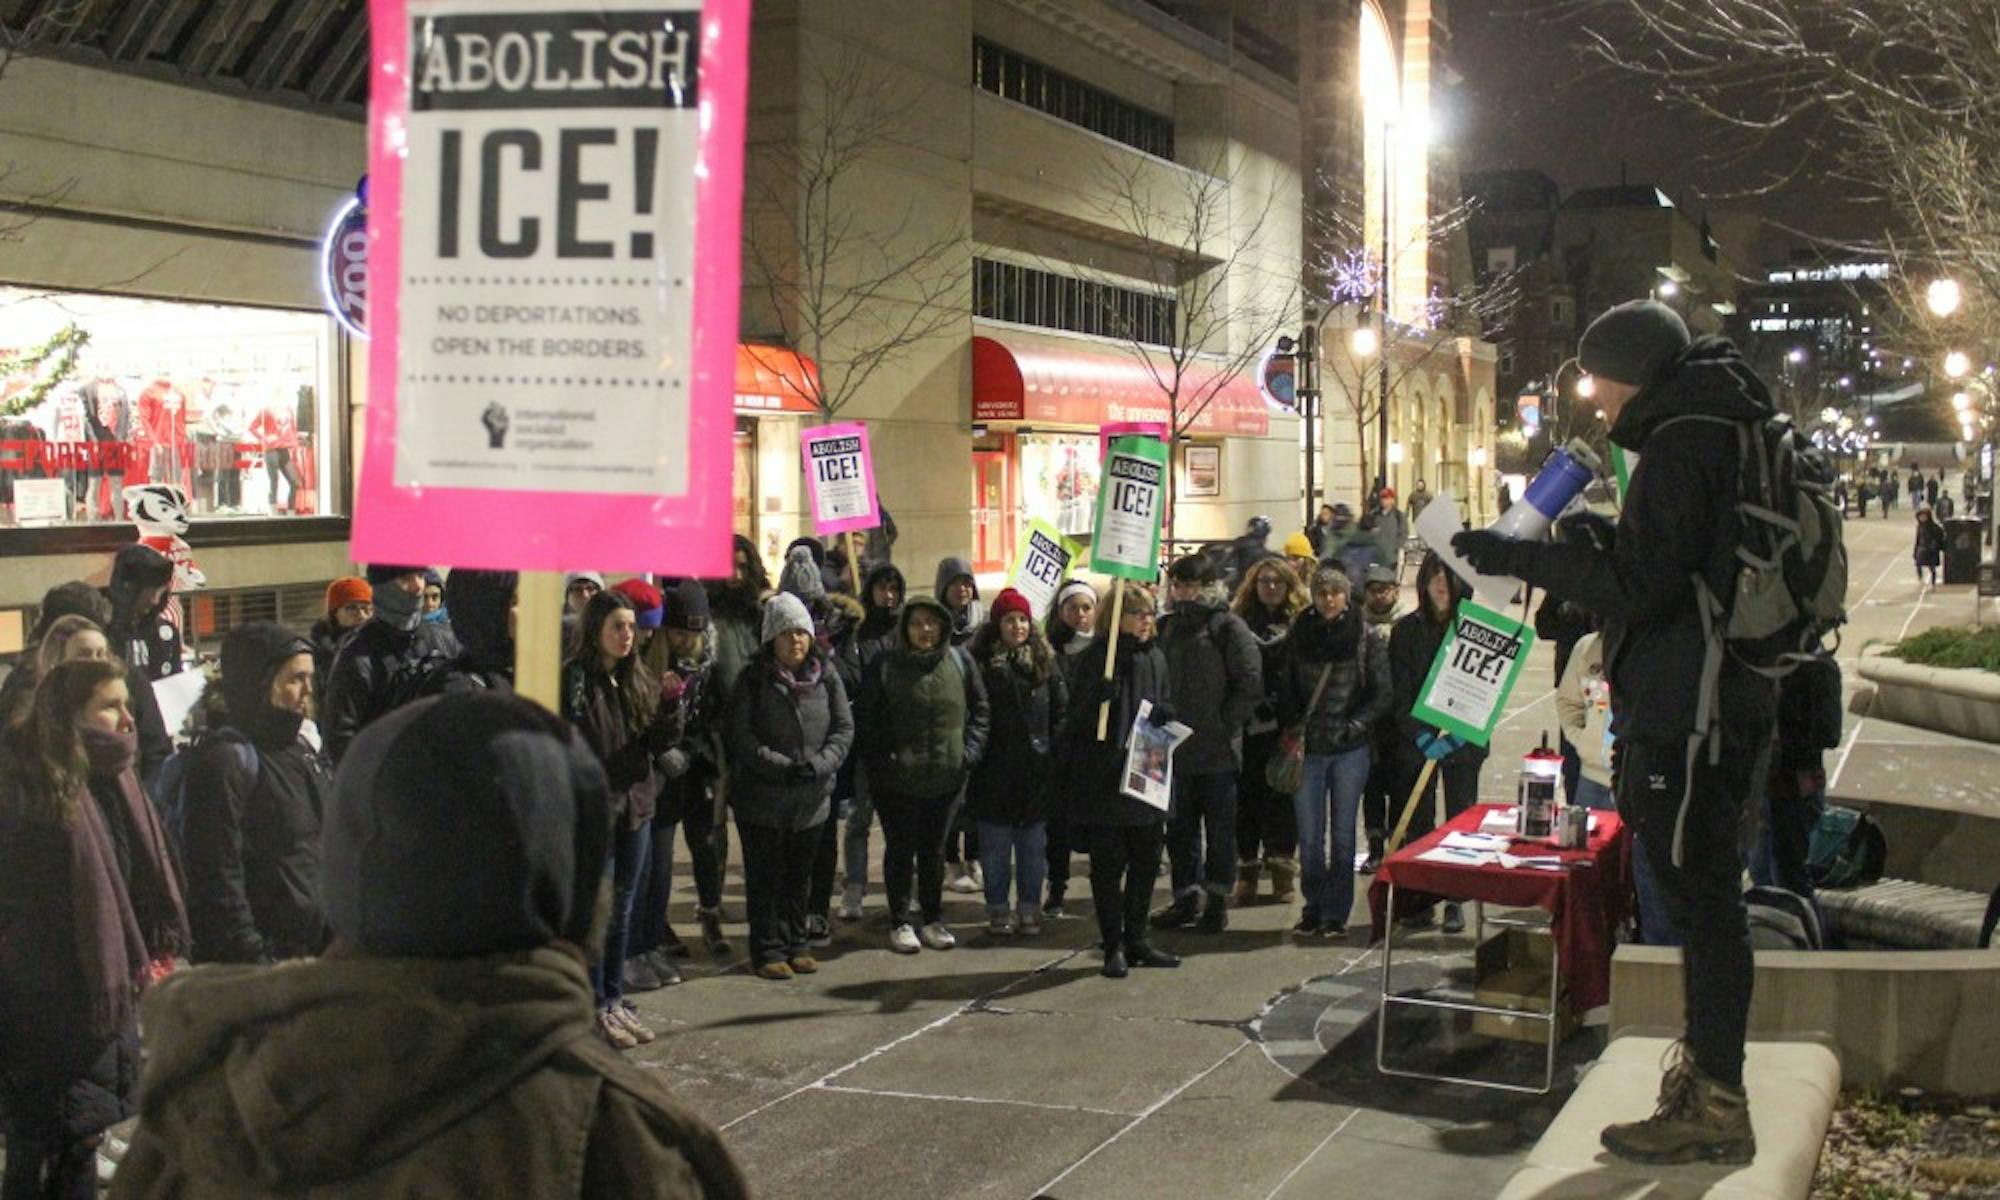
(1392,529)
(1583,708)
(834,617)
(1011,790)
(442,1046)
(1125,836)
(1217,675)
(788,730)
(1381,595)
(433,602)
(614,701)
(1929,552)
(385,663)
(141,588)
(1332,530)
(1249,548)
(1413,647)
(682,655)
(79,599)
(91,912)
(958,592)
(1682,781)
(68,637)
(1269,600)
(1071,627)
(882,595)
(923,721)
(349,604)
(251,807)
(736,612)
(483,608)
(1330,642)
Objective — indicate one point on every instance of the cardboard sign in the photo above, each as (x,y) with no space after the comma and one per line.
(1042,565)
(840,478)
(1474,673)
(554,216)
(1130,500)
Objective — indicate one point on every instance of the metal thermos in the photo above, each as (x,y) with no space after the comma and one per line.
(1572,827)
(1535,804)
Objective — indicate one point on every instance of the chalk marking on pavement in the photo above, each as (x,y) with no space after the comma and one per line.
(1301,1165)
(1135,1122)
(887,1046)
(1523,710)
(900,1095)
(1853,736)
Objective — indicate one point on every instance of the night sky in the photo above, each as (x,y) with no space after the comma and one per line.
(1534,98)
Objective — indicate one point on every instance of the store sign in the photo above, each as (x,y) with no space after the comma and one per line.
(1529,409)
(554,223)
(1278,378)
(343,268)
(1042,566)
(840,478)
(1474,673)
(1129,504)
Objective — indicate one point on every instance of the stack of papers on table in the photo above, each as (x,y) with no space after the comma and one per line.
(1476,841)
(1536,862)
(1499,821)
(1442,853)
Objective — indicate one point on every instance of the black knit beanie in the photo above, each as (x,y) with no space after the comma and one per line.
(1633,343)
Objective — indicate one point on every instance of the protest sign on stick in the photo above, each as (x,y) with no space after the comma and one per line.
(1126,543)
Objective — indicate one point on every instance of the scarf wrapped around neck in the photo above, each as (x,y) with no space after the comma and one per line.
(121,925)
(801,681)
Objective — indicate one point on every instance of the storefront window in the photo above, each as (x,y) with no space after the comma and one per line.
(1059,480)
(235,406)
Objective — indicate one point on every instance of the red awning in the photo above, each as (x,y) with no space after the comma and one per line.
(774,379)
(1020,377)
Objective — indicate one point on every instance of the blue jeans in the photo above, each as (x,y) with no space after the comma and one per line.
(1004,849)
(630,851)
(1332,787)
(1592,794)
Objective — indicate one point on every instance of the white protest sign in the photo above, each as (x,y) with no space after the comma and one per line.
(840,477)
(1436,525)
(1041,565)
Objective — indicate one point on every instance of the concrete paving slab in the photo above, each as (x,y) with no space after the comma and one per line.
(835,1145)
(1352,1168)
(1095,1062)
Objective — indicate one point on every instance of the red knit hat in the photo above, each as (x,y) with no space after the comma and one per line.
(647,603)
(348,589)
(1008,601)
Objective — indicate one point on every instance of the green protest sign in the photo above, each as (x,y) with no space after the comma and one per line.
(1130,500)
(1042,565)
(1474,673)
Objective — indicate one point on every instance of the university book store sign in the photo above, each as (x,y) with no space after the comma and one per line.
(553,222)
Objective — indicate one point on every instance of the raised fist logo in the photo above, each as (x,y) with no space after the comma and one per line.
(495,420)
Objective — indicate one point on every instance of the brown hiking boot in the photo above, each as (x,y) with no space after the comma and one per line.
(1698,1120)
(1284,878)
(1246,881)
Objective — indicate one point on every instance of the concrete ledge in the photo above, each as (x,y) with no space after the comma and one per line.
(1950,700)
(1895,1017)
(1937,841)
(1793,1087)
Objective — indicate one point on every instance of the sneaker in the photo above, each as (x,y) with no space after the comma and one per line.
(1309,924)
(961,880)
(937,937)
(817,932)
(1698,1120)
(711,930)
(1054,908)
(1454,919)
(628,1016)
(850,901)
(613,1030)
(903,940)
(664,966)
(638,975)
(775,969)
(1333,929)
(804,964)
(1178,915)
(1000,924)
(978,876)
(1029,923)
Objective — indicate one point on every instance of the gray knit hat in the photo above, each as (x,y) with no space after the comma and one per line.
(1633,342)
(800,576)
(784,612)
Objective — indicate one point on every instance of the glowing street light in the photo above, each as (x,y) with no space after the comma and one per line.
(1798,355)
(1944,296)
(1477,458)
(1957,364)
(1365,342)
(1669,289)
(1395,452)
(1961,401)
(1586,386)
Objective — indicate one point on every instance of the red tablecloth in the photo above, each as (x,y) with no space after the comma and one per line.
(1586,900)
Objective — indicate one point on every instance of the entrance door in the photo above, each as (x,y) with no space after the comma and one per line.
(992,512)
(743,507)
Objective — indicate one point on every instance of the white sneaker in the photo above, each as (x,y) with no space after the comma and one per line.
(977,876)
(613,1031)
(628,1017)
(903,940)
(937,937)
(850,901)
(961,880)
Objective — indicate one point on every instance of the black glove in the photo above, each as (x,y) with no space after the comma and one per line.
(1488,552)
(802,772)
(1586,528)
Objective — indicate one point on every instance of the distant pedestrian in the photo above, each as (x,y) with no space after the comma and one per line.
(1011,790)
(143,634)
(1249,549)
(349,604)
(683,656)
(1420,497)
(1929,550)
(386,663)
(1945,506)
(1931,490)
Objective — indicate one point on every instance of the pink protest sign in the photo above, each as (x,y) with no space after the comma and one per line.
(840,478)
(1119,429)
(553,221)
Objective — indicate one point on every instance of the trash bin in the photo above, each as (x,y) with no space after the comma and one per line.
(1962,544)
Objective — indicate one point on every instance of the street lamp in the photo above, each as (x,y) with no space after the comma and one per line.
(1944,296)
(1586,386)
(1960,401)
(1797,356)
(1957,364)
(1365,341)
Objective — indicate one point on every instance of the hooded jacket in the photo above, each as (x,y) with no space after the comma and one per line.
(1218,680)
(875,634)
(924,714)
(396,1078)
(251,809)
(1679,518)
(591,703)
(959,626)
(772,726)
(1413,646)
(143,637)
(378,668)
(1357,689)
(1089,769)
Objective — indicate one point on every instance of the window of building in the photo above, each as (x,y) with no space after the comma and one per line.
(1560,311)
(1003,291)
(1021,79)
(234,406)
(1499,260)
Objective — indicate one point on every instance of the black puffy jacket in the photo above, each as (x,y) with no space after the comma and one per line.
(1014,783)
(1218,676)
(1090,770)
(1358,689)
(1413,647)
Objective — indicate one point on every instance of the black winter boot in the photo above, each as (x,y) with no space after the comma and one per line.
(1180,914)
(1214,913)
